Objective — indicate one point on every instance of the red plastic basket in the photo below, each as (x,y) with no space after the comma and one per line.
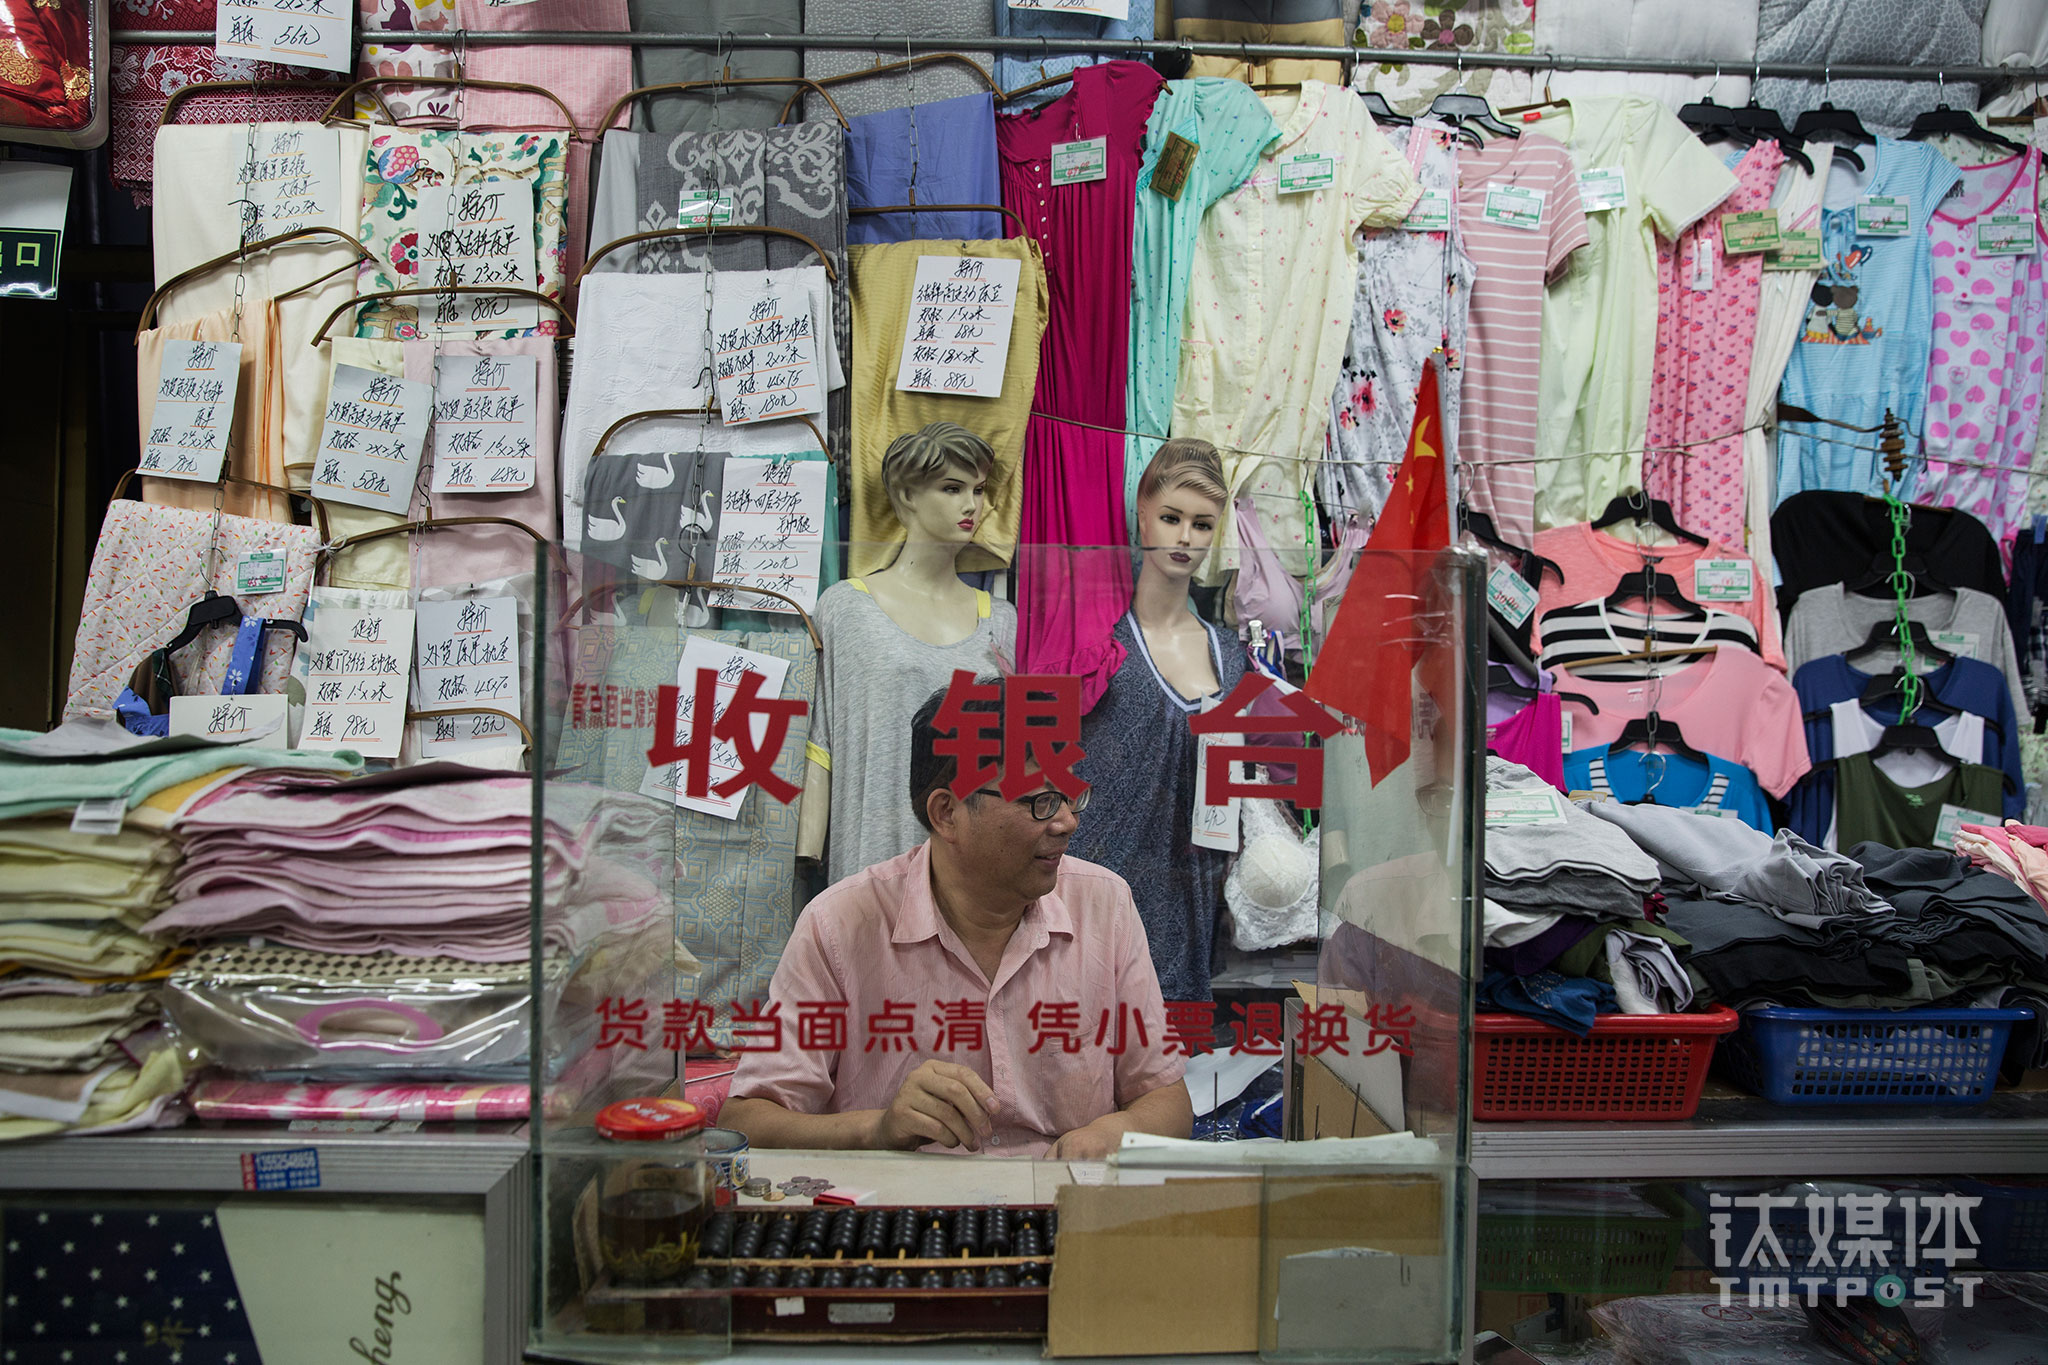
(1632,1066)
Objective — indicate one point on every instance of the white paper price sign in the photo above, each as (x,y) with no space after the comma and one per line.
(958,340)
(766,364)
(477,234)
(1100,9)
(258,719)
(484,423)
(370,445)
(468,657)
(1214,826)
(359,662)
(296,32)
(195,406)
(771,532)
(290,179)
(729,662)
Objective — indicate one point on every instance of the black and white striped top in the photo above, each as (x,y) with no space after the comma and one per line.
(1592,630)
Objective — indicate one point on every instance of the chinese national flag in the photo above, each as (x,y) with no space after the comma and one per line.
(1365,666)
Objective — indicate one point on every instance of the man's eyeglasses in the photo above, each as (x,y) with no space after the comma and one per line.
(1045,804)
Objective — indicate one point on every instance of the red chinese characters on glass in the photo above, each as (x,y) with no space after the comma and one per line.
(1228,718)
(1039,742)
(621,1023)
(754,757)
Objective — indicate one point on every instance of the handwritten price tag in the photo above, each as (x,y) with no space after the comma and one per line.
(729,662)
(771,531)
(483,423)
(1119,10)
(766,364)
(468,657)
(370,445)
(958,339)
(296,32)
(290,179)
(257,719)
(358,665)
(477,234)
(186,434)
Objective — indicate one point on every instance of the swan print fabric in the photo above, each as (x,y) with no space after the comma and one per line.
(653,515)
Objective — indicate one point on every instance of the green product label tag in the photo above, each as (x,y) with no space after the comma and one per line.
(1515,207)
(1963,642)
(1797,250)
(1884,215)
(702,208)
(1307,171)
(1508,593)
(1954,817)
(2006,234)
(259,572)
(1603,189)
(1524,808)
(1075,163)
(1722,580)
(1432,213)
(1757,230)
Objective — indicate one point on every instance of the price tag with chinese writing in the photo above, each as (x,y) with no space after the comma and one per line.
(257,719)
(1954,817)
(1075,163)
(1757,230)
(1603,189)
(484,423)
(358,665)
(1884,215)
(1307,171)
(370,445)
(468,657)
(957,340)
(1214,826)
(1176,159)
(766,365)
(315,33)
(1100,9)
(259,572)
(187,436)
(729,662)
(771,531)
(1432,213)
(1797,250)
(290,179)
(1722,580)
(1524,808)
(477,234)
(1508,593)
(1514,206)
(704,208)
(2006,234)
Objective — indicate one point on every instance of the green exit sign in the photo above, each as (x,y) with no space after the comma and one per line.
(28,262)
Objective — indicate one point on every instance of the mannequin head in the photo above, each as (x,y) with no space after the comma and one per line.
(1181,499)
(937,480)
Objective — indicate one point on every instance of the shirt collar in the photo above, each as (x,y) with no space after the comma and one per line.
(1307,106)
(917,917)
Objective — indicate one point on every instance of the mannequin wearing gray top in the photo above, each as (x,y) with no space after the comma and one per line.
(891,640)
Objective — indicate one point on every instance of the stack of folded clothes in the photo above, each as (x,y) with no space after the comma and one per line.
(391,919)
(81,1045)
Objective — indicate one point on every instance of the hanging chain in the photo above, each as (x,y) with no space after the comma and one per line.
(1893,445)
(912,72)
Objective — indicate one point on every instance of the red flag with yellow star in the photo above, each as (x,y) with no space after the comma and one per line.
(1365,666)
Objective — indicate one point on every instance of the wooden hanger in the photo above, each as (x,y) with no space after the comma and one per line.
(242,253)
(922,59)
(183,93)
(1639,655)
(609,247)
(430,291)
(609,590)
(428,524)
(524,733)
(1048,83)
(684,87)
(447,83)
(709,410)
(319,512)
(1022,230)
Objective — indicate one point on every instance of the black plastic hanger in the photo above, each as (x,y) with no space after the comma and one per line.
(1878,576)
(1942,119)
(285,623)
(1768,125)
(1705,117)
(210,610)
(1907,738)
(1459,108)
(1651,511)
(1885,635)
(1382,112)
(1652,588)
(1480,527)
(1668,736)
(1829,119)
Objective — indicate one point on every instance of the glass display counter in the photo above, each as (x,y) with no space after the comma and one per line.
(1319,1213)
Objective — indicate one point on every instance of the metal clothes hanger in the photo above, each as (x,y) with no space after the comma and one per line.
(1942,120)
(709,410)
(1064,78)
(319,510)
(459,82)
(658,234)
(725,82)
(436,291)
(242,253)
(183,93)
(908,64)
(524,733)
(608,590)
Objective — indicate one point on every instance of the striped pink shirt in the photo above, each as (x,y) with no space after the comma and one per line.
(1504,339)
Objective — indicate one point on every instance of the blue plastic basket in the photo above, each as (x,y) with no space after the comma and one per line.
(1819,1056)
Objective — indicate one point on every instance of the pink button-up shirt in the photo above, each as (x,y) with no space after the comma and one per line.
(877,942)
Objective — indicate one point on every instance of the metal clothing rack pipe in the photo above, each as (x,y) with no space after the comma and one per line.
(1117,47)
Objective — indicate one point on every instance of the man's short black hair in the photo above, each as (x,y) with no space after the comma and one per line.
(930,770)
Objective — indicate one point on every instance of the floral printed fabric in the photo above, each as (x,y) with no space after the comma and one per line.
(1439,25)
(402,161)
(150,566)
(1705,338)
(402,58)
(1985,362)
(1399,318)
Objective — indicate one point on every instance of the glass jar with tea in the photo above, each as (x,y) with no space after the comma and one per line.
(654,1192)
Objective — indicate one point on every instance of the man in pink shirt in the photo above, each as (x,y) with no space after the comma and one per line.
(999,996)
